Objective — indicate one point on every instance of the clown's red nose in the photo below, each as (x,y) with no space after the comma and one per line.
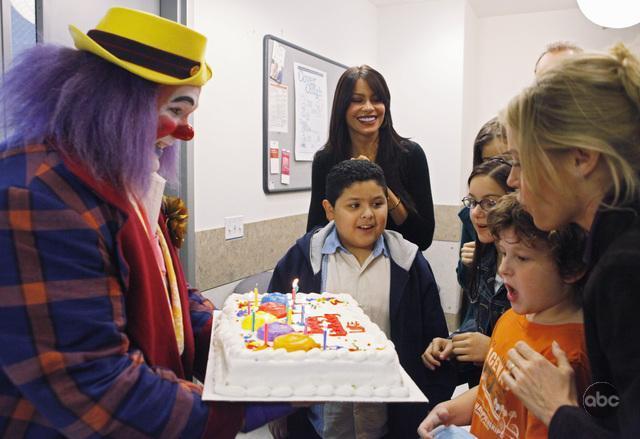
(183,132)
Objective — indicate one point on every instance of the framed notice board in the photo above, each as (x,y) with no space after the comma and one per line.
(298,88)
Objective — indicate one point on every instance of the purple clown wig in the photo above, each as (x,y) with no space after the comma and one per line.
(88,108)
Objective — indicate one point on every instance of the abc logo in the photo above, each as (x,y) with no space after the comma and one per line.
(601,400)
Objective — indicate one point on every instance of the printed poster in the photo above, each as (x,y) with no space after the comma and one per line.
(311,111)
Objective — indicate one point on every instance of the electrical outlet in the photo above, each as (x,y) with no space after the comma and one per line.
(233,227)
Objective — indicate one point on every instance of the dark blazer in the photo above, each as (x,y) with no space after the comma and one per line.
(612,328)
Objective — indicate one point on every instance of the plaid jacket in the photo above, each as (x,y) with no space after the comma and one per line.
(66,364)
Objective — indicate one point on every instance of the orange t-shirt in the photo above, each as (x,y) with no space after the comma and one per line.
(497,412)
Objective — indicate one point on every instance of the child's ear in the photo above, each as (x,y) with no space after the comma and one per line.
(328,210)
(573,278)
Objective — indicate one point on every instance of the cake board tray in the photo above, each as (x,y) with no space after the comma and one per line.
(209,394)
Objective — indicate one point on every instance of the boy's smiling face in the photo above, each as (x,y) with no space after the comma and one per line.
(531,276)
(360,215)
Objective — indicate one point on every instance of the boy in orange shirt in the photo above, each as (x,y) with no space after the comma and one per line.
(540,270)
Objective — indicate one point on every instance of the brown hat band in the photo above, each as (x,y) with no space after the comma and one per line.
(145,56)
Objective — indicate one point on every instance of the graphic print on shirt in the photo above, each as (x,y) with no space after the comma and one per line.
(490,406)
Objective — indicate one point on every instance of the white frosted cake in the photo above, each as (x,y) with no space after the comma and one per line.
(324,346)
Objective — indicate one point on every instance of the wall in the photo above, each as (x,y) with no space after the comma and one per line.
(505,64)
(420,52)
(448,71)
(228,143)
(423,54)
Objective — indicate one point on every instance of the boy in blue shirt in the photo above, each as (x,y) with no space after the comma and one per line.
(392,282)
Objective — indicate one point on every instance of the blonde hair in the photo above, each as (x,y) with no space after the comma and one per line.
(591,102)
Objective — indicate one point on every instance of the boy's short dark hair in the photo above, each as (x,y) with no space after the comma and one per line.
(347,172)
(566,245)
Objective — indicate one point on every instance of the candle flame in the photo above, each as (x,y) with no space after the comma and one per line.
(295,283)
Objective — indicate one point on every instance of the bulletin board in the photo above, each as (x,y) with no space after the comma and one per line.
(298,88)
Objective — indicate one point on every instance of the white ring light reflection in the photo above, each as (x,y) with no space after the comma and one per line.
(611,13)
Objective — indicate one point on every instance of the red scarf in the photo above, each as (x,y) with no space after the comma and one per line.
(149,323)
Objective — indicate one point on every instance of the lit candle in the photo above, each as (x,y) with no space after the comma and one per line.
(266,333)
(324,340)
(253,321)
(294,290)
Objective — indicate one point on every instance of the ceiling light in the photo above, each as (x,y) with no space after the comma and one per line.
(611,13)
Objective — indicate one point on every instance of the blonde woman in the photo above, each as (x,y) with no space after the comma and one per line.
(575,136)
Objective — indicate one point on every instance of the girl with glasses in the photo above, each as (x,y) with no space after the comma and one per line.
(485,291)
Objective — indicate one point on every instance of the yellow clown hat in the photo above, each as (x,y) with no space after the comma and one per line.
(149,46)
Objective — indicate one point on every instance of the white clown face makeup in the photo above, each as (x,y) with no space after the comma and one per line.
(175,104)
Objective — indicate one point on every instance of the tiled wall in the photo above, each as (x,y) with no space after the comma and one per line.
(220,262)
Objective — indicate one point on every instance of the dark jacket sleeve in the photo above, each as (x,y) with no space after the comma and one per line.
(442,381)
(468,234)
(419,225)
(574,422)
(420,318)
(319,171)
(611,303)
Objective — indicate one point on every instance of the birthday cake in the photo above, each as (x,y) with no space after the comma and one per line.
(321,345)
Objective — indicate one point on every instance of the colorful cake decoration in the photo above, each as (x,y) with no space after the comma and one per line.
(256,320)
(275,308)
(302,344)
(274,297)
(275,329)
(295,342)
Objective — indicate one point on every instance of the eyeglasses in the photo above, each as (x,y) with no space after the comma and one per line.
(485,204)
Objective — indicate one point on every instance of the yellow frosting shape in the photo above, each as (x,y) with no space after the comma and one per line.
(261,318)
(295,341)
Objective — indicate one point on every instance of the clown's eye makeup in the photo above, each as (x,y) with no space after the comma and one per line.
(176,111)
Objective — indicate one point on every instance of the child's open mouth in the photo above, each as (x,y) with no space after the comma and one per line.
(512,294)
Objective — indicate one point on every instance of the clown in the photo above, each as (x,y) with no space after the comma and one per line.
(99,333)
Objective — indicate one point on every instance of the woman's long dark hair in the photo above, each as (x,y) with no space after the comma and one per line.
(497,168)
(390,143)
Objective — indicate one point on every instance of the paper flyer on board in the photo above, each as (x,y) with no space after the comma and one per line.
(311,111)
(285,177)
(278,107)
(274,157)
